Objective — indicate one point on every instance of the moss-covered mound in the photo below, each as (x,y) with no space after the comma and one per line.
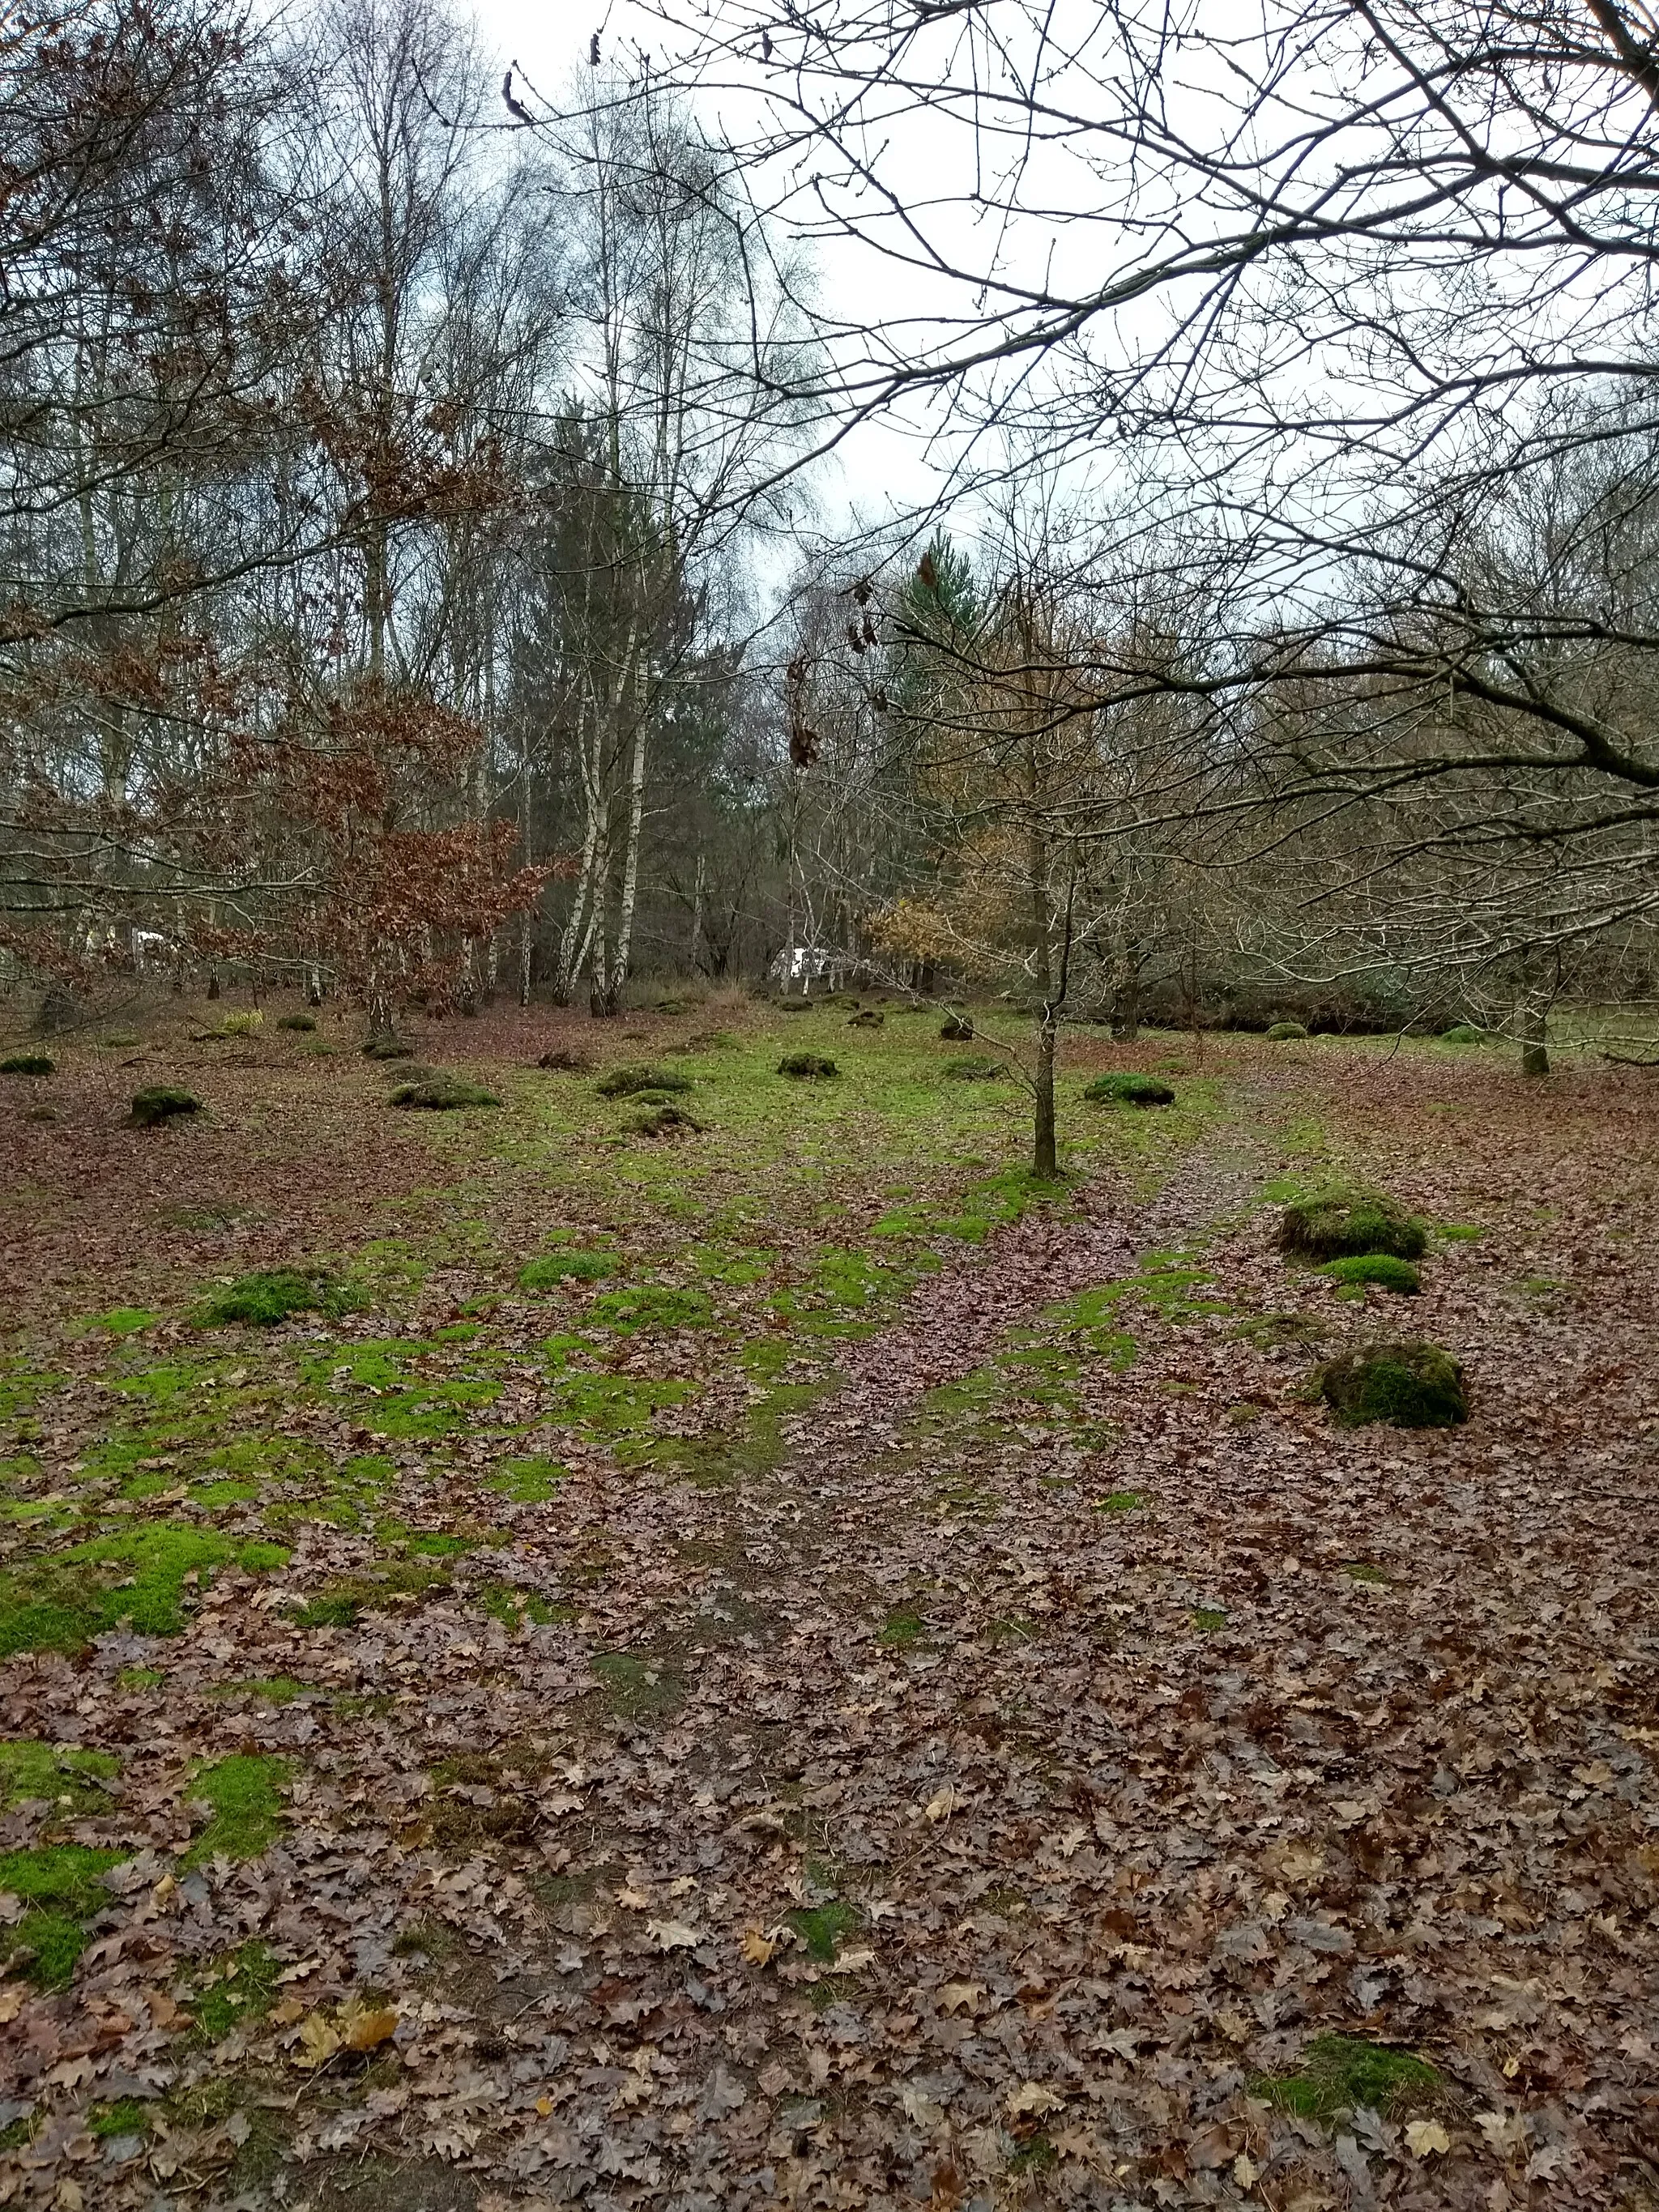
(664,1121)
(163,1103)
(388,1048)
(957,1029)
(1379,1267)
(868,1018)
(975,1069)
(440,1093)
(28,1063)
(1409,1385)
(1463,1033)
(1284,1032)
(1338,1225)
(1118,1089)
(627,1082)
(558,1061)
(807,1066)
(265,1300)
(297,1021)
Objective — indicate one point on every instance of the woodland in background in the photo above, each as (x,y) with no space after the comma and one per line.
(406,596)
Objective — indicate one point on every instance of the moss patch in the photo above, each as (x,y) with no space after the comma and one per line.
(1411,1386)
(1284,1032)
(556,1268)
(161,1103)
(60,1890)
(1339,2073)
(27,1063)
(822,1928)
(653,1307)
(1337,1225)
(628,1082)
(149,1574)
(807,1066)
(1118,1088)
(1379,1267)
(527,1481)
(70,1778)
(441,1093)
(239,1985)
(244,1791)
(262,1301)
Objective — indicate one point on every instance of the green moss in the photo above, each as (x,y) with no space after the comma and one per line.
(1362,1573)
(140,1678)
(239,1985)
(123,1320)
(823,1927)
(1463,1033)
(1336,1225)
(1460,1232)
(127,2115)
(653,1306)
(27,1063)
(1122,1501)
(268,1689)
(339,1603)
(1379,1267)
(1339,2073)
(556,1267)
(163,1103)
(23,1387)
(610,1406)
(1409,1385)
(60,1890)
(627,1082)
(527,1481)
(1120,1088)
(1284,1032)
(265,1300)
(69,1775)
(808,1066)
(244,1793)
(60,1602)
(902,1628)
(1208,1618)
(974,1068)
(300,1022)
(512,1607)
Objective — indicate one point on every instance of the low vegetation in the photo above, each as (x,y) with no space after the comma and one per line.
(1341,1223)
(1409,1385)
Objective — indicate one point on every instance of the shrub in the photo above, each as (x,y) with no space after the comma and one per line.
(809,1066)
(1124,1090)
(297,1021)
(441,1093)
(974,1071)
(1383,1268)
(1283,1032)
(1409,1385)
(957,1029)
(241,1025)
(388,1048)
(28,1063)
(1337,1225)
(265,1300)
(556,1268)
(1463,1033)
(625,1082)
(161,1104)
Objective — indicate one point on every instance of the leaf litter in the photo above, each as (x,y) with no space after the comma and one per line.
(1252,1810)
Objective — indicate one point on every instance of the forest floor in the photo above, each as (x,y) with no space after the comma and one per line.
(776,1665)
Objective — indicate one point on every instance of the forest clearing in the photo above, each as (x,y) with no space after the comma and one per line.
(779,1661)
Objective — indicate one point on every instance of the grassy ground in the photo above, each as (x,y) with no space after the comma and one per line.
(779,1661)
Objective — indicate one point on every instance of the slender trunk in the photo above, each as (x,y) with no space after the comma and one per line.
(1045,1161)
(1125,1001)
(382,1020)
(527,950)
(623,946)
(1534,1024)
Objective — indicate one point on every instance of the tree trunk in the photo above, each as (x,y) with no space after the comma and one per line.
(1045,1163)
(1125,1005)
(526,953)
(1534,1048)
